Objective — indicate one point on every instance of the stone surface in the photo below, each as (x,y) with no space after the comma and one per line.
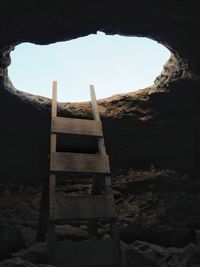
(174,69)
(145,254)
(167,112)
(11,240)
(20,209)
(158,126)
(17,262)
(36,253)
(159,207)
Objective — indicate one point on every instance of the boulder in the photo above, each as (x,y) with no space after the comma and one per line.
(159,207)
(141,253)
(36,253)
(11,240)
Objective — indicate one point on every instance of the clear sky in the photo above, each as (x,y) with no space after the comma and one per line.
(114,64)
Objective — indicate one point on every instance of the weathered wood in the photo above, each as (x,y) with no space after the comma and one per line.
(53,142)
(52,176)
(82,207)
(85,253)
(78,162)
(101,143)
(90,253)
(53,114)
(95,109)
(54,100)
(76,126)
(96,188)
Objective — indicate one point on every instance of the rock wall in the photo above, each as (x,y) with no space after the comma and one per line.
(154,126)
(157,127)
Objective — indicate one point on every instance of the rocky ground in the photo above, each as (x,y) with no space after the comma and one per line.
(158,219)
(158,209)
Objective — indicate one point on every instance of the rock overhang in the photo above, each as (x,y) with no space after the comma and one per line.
(172,24)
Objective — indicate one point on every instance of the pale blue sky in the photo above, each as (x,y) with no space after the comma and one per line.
(114,64)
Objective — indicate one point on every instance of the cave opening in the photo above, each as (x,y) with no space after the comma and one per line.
(159,207)
(115,64)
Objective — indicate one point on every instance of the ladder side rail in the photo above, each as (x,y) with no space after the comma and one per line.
(97,187)
(114,227)
(101,143)
(49,181)
(95,110)
(96,181)
(53,137)
(52,176)
(108,181)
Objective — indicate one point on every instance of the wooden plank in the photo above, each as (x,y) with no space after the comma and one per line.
(82,207)
(54,100)
(97,187)
(101,143)
(78,162)
(52,176)
(94,103)
(53,143)
(53,114)
(84,253)
(92,226)
(76,126)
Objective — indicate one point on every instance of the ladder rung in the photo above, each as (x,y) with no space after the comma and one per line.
(82,207)
(96,253)
(79,162)
(76,126)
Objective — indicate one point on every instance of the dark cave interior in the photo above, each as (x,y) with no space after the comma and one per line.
(152,135)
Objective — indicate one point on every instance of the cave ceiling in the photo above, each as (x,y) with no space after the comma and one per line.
(25,119)
(173,23)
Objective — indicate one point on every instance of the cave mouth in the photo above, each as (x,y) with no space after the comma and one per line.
(114,64)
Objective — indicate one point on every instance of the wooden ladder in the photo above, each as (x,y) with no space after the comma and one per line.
(100,204)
